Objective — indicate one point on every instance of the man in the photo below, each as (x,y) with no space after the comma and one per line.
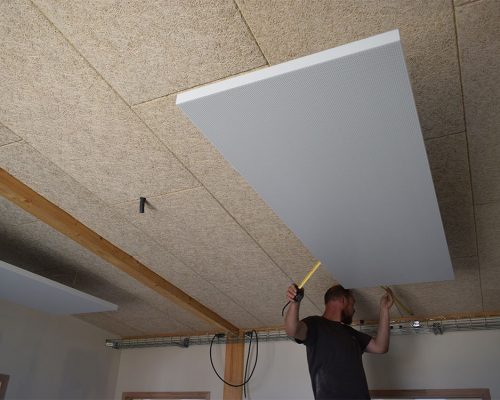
(334,348)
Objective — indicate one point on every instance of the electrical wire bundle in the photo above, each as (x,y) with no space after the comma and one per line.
(245,379)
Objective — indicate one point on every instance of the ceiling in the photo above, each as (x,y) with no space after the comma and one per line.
(88,120)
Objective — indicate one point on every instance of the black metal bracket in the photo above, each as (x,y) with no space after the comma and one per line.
(142,202)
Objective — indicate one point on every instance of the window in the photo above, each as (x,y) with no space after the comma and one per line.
(441,394)
(165,395)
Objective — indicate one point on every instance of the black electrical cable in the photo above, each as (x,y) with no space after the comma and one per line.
(246,364)
(283,311)
(253,369)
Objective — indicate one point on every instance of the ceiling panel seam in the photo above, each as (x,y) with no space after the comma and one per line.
(249,30)
(156,195)
(197,85)
(486,203)
(119,321)
(468,152)
(457,48)
(444,136)
(39,10)
(23,223)
(14,141)
(164,144)
(465,4)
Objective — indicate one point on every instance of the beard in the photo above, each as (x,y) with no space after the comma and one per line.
(346,318)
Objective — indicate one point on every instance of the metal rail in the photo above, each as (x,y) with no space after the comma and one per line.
(415,327)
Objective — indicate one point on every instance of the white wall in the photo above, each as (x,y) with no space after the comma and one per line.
(171,369)
(54,357)
(453,360)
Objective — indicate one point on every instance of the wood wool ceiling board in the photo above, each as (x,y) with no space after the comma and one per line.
(89,118)
(51,182)
(201,234)
(423,44)
(340,158)
(427,33)
(149,50)
(37,205)
(448,160)
(479,43)
(478,34)
(44,177)
(488,237)
(53,99)
(7,136)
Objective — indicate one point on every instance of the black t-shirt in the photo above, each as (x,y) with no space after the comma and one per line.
(334,352)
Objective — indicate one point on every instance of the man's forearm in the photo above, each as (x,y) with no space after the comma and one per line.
(292,319)
(383,332)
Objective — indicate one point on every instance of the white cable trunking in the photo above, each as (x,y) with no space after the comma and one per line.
(333,144)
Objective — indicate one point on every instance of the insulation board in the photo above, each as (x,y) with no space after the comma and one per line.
(34,291)
(332,143)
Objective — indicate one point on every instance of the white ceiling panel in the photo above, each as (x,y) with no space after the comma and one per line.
(333,144)
(31,290)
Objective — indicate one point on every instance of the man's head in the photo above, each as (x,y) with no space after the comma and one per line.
(339,298)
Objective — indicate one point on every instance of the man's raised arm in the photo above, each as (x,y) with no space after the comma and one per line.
(293,327)
(380,344)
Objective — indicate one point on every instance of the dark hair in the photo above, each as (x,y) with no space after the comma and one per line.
(337,291)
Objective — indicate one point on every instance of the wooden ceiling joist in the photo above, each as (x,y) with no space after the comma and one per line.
(23,196)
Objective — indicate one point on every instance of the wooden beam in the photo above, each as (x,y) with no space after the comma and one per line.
(233,371)
(21,195)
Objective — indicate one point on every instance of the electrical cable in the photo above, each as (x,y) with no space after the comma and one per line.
(253,369)
(246,365)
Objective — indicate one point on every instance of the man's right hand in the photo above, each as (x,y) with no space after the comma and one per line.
(291,293)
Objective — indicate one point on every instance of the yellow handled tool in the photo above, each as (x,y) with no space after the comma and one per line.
(300,289)
(309,274)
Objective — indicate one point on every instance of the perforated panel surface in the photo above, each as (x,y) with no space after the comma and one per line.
(333,144)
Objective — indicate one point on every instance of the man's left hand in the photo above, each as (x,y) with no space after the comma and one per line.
(387,299)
